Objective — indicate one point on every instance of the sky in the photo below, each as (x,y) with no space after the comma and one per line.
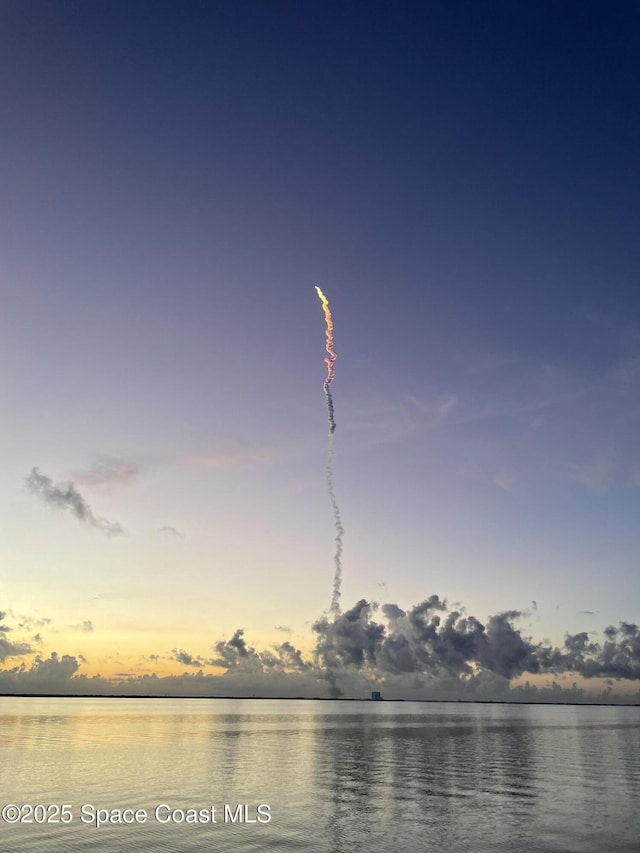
(461,179)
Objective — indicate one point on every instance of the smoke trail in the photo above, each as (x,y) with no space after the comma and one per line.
(330,360)
(337,557)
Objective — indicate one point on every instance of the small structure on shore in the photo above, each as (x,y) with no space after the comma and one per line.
(376,696)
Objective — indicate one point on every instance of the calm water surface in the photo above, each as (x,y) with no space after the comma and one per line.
(337,776)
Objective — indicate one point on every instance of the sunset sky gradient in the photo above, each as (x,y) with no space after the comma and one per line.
(461,180)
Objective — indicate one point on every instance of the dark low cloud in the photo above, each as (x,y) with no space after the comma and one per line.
(290,656)
(349,639)
(8,648)
(185,658)
(65,666)
(235,655)
(427,651)
(65,497)
(235,652)
(617,657)
(285,657)
(430,640)
(53,668)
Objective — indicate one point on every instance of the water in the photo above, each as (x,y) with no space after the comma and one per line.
(336,776)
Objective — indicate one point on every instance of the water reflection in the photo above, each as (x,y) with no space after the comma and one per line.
(338,776)
(397,776)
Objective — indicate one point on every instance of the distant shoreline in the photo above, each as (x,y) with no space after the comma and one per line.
(314,699)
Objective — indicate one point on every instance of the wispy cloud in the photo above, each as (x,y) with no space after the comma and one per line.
(382,420)
(86,626)
(170,532)
(526,414)
(229,455)
(597,474)
(28,623)
(110,471)
(503,481)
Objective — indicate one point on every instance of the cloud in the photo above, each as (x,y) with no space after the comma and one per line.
(436,410)
(284,657)
(65,497)
(393,612)
(185,658)
(108,471)
(86,626)
(55,666)
(112,470)
(234,655)
(531,417)
(597,474)
(7,648)
(235,652)
(170,532)
(284,628)
(230,455)
(350,639)
(426,651)
(429,639)
(378,420)
(503,481)
(617,657)
(45,676)
(28,623)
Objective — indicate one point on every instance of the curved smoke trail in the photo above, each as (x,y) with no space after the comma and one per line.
(330,360)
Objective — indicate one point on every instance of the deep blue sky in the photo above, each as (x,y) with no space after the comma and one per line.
(474,161)
(462,181)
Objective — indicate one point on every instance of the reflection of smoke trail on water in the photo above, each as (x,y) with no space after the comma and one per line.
(330,360)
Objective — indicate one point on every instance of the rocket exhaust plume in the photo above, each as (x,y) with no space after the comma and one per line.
(337,557)
(330,361)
